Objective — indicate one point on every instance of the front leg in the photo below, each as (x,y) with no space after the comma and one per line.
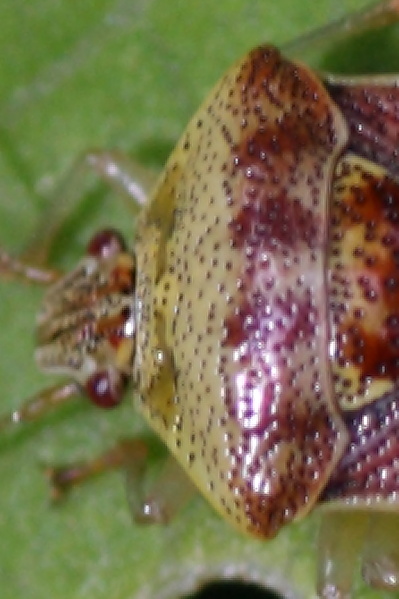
(377,15)
(130,181)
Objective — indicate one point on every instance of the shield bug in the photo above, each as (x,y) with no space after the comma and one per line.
(257,316)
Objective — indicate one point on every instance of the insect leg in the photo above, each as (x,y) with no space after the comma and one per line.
(341,539)
(169,493)
(131,181)
(11,267)
(126,453)
(374,16)
(39,404)
(381,556)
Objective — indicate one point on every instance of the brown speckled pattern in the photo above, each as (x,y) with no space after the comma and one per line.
(231,293)
(364,282)
(372,113)
(364,300)
(368,474)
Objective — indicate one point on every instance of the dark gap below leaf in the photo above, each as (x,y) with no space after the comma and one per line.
(233,589)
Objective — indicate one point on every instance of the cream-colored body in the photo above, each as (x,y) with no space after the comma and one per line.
(219,402)
(258,318)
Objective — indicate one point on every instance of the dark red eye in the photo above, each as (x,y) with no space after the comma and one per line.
(104,391)
(105,243)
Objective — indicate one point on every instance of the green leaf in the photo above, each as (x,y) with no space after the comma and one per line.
(125,74)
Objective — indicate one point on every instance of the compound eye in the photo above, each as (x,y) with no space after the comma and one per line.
(106,243)
(104,390)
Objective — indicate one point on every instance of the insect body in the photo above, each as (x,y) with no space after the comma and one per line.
(230,289)
(267,293)
(258,316)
